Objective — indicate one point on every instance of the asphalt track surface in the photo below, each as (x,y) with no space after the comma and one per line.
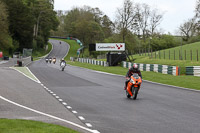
(101,100)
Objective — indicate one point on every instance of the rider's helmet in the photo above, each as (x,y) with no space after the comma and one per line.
(135,66)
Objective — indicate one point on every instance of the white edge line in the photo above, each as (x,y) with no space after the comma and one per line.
(24,74)
(51,116)
(68,50)
(189,89)
(33,75)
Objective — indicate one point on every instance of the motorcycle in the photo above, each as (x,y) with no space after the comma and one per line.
(133,86)
(50,60)
(62,65)
(54,60)
(47,60)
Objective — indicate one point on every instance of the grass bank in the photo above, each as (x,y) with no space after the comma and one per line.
(41,52)
(25,126)
(181,81)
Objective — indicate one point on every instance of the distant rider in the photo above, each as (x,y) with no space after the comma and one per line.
(62,60)
(133,69)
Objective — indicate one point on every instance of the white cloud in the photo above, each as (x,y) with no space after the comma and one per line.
(176,11)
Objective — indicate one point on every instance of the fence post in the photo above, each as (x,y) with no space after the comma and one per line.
(151,53)
(174,55)
(169,54)
(164,54)
(191,54)
(197,55)
(155,54)
(185,55)
(145,51)
(179,55)
(159,54)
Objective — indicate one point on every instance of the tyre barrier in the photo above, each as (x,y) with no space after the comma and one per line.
(91,61)
(165,69)
(193,70)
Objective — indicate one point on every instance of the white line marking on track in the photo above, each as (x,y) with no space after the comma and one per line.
(60,100)
(69,107)
(51,116)
(81,118)
(57,97)
(54,94)
(88,124)
(33,75)
(64,103)
(26,75)
(75,112)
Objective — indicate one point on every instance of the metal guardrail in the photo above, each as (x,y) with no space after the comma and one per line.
(23,61)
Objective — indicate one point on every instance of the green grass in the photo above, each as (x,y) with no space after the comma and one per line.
(173,53)
(181,63)
(25,126)
(41,52)
(181,81)
(25,71)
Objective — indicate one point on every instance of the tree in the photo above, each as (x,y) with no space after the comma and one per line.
(5,39)
(188,28)
(107,26)
(155,20)
(20,20)
(87,24)
(125,17)
(142,18)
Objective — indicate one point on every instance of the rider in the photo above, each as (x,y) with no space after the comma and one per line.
(62,60)
(133,69)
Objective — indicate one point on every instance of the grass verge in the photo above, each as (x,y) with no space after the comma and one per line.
(25,126)
(37,54)
(181,81)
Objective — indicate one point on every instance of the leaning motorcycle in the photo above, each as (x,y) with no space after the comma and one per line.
(62,65)
(133,86)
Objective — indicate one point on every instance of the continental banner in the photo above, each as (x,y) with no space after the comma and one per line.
(110,47)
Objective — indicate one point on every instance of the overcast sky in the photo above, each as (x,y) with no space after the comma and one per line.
(176,11)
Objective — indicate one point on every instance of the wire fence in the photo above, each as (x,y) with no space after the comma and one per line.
(192,55)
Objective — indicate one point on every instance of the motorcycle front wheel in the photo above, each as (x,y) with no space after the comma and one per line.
(135,92)
(127,94)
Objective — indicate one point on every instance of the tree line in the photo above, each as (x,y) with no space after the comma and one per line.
(136,24)
(26,24)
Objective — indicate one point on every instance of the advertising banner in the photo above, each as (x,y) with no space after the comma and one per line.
(110,47)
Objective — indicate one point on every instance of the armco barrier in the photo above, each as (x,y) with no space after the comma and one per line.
(173,70)
(24,61)
(193,70)
(91,61)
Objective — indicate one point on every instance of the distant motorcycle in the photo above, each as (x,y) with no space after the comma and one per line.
(47,60)
(133,86)
(62,65)
(50,60)
(54,60)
